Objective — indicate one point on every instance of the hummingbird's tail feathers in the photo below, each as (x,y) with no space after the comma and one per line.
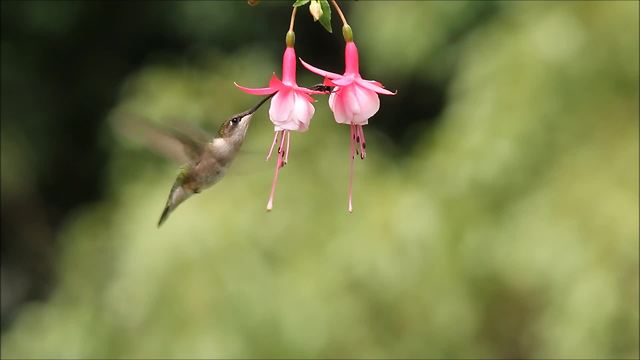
(165,215)
(176,197)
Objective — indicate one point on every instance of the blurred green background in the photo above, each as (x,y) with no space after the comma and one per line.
(495,216)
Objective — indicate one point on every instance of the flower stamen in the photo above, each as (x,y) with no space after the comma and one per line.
(286,154)
(275,138)
(363,153)
(353,150)
(283,154)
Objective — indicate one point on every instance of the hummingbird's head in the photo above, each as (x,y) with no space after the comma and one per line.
(236,127)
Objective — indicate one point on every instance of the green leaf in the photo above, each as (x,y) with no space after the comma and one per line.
(325,19)
(300,2)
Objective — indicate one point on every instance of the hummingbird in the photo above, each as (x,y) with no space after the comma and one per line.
(207,161)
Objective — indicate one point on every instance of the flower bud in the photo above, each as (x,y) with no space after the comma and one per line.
(315,9)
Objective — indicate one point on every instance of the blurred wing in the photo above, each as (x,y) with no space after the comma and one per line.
(191,130)
(183,145)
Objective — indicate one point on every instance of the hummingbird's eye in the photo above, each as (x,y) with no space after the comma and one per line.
(235,120)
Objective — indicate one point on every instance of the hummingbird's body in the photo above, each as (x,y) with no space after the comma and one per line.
(194,177)
(208,162)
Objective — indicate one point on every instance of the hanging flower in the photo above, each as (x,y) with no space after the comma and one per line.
(291,108)
(353,100)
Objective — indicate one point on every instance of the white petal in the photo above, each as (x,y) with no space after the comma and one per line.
(336,103)
(281,107)
(351,101)
(302,112)
(369,104)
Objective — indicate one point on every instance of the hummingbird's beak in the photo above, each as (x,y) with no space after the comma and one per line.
(257,106)
(246,118)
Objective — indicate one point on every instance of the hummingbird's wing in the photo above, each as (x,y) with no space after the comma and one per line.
(191,146)
(182,144)
(191,131)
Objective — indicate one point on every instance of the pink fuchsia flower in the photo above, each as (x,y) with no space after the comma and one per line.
(290,110)
(353,101)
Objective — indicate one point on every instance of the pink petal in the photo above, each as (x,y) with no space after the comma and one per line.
(258,91)
(281,107)
(343,80)
(289,67)
(320,72)
(374,86)
(351,59)
(275,83)
(328,82)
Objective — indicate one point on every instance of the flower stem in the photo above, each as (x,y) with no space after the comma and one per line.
(290,39)
(335,5)
(293,19)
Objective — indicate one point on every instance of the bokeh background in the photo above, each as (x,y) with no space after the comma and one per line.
(495,216)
